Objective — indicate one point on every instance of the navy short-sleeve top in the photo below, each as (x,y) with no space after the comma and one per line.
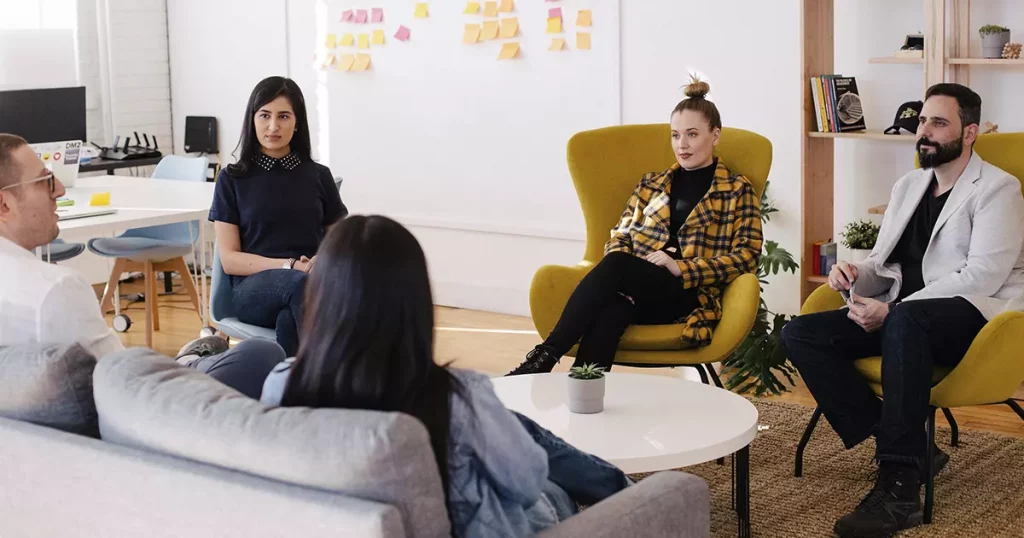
(282,207)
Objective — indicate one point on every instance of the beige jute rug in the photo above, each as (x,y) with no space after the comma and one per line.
(980,494)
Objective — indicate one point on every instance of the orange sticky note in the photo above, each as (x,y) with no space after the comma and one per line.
(472,8)
(557,43)
(347,40)
(509,51)
(346,62)
(100,198)
(472,34)
(509,27)
(364,41)
(506,6)
(362,62)
(331,41)
(490,31)
(421,10)
(555,25)
(490,9)
(582,40)
(584,18)
(378,37)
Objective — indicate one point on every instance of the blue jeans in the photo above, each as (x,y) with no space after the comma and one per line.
(243,367)
(273,299)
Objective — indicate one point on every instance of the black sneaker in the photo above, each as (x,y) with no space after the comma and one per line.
(894,504)
(540,360)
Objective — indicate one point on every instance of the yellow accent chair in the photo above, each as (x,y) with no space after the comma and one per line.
(993,368)
(606,165)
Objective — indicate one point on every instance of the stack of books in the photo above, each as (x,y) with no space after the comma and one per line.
(837,105)
(823,257)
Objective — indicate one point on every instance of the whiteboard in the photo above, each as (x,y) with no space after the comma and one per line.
(439,133)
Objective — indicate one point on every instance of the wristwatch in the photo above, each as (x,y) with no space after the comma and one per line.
(290,264)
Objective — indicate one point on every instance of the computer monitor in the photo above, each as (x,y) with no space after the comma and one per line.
(44,115)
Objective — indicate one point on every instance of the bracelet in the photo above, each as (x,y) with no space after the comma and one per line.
(290,264)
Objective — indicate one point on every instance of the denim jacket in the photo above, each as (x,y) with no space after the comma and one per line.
(496,471)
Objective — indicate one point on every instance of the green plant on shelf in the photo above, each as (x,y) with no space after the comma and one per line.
(990,29)
(587,371)
(861,234)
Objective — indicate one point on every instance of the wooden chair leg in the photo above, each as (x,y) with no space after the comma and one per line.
(153,283)
(190,287)
(107,302)
(798,469)
(954,429)
(149,305)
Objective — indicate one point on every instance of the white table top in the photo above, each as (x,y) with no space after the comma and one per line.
(140,201)
(649,423)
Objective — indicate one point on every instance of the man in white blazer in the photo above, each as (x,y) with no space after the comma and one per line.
(948,258)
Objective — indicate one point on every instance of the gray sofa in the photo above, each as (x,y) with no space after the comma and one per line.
(182,455)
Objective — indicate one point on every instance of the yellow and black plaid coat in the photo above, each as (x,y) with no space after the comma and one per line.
(720,240)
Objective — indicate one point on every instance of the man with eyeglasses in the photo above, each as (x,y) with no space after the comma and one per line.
(45,304)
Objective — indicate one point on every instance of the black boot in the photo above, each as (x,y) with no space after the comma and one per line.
(540,360)
(894,504)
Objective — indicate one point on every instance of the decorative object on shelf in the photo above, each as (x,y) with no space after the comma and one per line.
(993,39)
(586,389)
(906,118)
(990,128)
(1011,51)
(753,366)
(913,47)
(838,106)
(860,237)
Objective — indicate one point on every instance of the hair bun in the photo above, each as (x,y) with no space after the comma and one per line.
(697,88)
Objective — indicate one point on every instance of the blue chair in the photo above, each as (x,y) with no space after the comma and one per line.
(59,251)
(222,309)
(155,249)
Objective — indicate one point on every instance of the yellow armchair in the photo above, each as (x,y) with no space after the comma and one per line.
(606,165)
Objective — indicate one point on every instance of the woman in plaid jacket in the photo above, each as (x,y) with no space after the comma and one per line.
(686,233)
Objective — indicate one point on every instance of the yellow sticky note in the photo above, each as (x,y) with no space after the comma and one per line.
(378,37)
(331,41)
(364,41)
(100,198)
(509,51)
(584,18)
(471,34)
(490,31)
(557,43)
(472,8)
(346,62)
(421,10)
(362,62)
(327,61)
(506,6)
(490,9)
(347,40)
(582,40)
(555,25)
(509,27)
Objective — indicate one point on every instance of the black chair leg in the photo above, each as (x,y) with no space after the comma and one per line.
(702,372)
(714,376)
(929,483)
(954,430)
(168,284)
(798,470)
(1016,407)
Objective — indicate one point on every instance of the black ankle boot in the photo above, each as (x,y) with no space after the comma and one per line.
(894,504)
(540,360)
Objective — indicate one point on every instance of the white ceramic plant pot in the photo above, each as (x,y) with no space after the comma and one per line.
(992,44)
(859,254)
(586,396)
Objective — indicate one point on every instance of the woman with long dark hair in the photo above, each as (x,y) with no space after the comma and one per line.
(368,343)
(271,209)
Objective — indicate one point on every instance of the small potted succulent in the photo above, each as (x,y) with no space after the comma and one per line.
(993,39)
(859,237)
(586,389)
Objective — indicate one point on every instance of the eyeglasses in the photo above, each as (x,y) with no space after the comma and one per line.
(49,178)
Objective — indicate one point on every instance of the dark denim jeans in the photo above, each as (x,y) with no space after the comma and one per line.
(243,367)
(916,336)
(273,299)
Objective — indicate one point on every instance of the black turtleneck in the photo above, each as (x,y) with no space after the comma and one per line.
(687,189)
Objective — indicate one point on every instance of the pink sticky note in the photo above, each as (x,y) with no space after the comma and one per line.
(347,15)
(361,16)
(378,15)
(555,12)
(402,34)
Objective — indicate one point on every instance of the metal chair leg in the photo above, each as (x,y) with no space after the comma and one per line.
(954,435)
(798,470)
(714,376)
(1016,407)
(929,483)
(702,372)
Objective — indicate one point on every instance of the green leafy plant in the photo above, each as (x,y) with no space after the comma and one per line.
(990,29)
(861,234)
(753,366)
(587,371)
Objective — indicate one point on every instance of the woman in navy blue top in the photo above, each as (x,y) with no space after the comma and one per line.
(271,209)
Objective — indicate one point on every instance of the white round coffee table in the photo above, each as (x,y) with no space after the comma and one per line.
(649,423)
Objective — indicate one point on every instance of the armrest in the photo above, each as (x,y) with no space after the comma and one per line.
(666,505)
(822,299)
(992,369)
(550,290)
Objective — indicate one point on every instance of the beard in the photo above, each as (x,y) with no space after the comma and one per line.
(944,153)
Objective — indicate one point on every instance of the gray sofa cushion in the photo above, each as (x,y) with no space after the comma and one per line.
(149,401)
(49,386)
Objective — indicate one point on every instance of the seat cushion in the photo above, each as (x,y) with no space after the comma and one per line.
(653,338)
(149,401)
(139,249)
(244,331)
(871,369)
(61,251)
(49,386)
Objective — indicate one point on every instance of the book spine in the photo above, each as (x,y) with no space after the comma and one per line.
(816,258)
(815,97)
(821,105)
(833,102)
(831,257)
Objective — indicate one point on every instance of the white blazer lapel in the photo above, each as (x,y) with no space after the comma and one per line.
(962,189)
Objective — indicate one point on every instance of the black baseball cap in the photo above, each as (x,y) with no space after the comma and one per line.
(906,118)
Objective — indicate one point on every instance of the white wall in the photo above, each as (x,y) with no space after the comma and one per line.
(40,58)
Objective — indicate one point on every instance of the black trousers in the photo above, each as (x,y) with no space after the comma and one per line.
(620,291)
(916,336)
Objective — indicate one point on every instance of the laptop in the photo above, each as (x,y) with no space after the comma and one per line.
(61,158)
(68,213)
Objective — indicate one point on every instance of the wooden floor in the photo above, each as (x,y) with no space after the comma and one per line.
(494,344)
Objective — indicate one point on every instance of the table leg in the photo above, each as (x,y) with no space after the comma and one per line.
(204,299)
(743,492)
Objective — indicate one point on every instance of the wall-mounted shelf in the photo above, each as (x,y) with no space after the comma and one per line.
(985,61)
(877,210)
(818,279)
(896,60)
(864,135)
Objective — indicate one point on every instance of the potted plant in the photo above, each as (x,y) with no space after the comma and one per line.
(993,39)
(860,238)
(586,389)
